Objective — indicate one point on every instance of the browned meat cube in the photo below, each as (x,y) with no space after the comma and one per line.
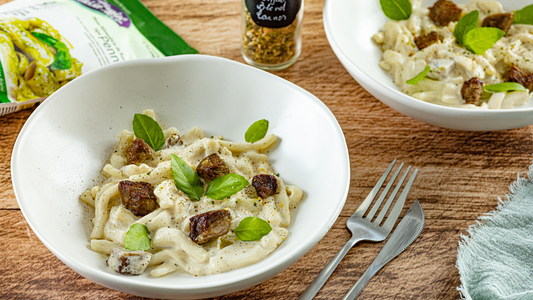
(138,197)
(209,225)
(173,140)
(138,152)
(212,167)
(444,12)
(128,262)
(502,21)
(265,185)
(472,90)
(515,74)
(426,40)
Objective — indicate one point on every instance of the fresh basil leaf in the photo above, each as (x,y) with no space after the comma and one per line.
(149,131)
(504,87)
(467,23)
(222,187)
(186,179)
(420,76)
(486,95)
(524,16)
(481,39)
(256,131)
(396,9)
(252,229)
(137,238)
(62,59)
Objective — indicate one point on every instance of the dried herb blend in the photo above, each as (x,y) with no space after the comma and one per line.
(271,36)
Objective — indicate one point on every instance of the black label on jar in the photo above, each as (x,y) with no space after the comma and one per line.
(273,13)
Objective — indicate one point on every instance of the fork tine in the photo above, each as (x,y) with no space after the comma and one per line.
(383,194)
(395,212)
(368,200)
(391,198)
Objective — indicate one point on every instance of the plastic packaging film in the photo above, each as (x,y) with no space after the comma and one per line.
(44,44)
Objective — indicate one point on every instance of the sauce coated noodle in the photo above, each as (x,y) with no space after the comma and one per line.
(172,248)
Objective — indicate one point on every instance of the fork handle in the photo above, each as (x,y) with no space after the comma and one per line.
(323,276)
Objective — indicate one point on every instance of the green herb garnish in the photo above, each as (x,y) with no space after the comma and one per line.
(524,16)
(476,39)
(186,179)
(137,238)
(62,59)
(149,131)
(396,9)
(467,23)
(504,87)
(420,76)
(256,131)
(481,39)
(222,187)
(252,229)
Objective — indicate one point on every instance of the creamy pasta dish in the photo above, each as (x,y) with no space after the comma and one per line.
(195,236)
(458,77)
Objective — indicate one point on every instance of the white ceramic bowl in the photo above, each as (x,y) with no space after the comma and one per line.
(65,143)
(350,25)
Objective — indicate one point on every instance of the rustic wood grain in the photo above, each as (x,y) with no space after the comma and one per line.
(30,271)
(9,129)
(460,176)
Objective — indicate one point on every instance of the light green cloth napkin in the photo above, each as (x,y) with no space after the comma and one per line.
(496,260)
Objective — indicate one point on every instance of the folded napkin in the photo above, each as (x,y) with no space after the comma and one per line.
(496,260)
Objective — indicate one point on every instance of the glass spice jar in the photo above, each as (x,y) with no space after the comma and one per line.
(271,33)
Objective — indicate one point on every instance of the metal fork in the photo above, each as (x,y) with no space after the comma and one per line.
(362,228)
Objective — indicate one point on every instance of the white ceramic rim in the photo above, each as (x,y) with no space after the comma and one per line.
(258,274)
(403,98)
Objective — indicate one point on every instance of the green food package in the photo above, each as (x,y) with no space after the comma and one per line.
(44,44)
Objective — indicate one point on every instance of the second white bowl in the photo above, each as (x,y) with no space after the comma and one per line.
(349,26)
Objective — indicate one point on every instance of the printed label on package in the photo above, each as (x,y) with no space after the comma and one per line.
(109,10)
(3,87)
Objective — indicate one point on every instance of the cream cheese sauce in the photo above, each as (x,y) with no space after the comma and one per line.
(172,248)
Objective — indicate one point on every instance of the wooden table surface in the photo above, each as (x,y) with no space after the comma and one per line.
(461,175)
